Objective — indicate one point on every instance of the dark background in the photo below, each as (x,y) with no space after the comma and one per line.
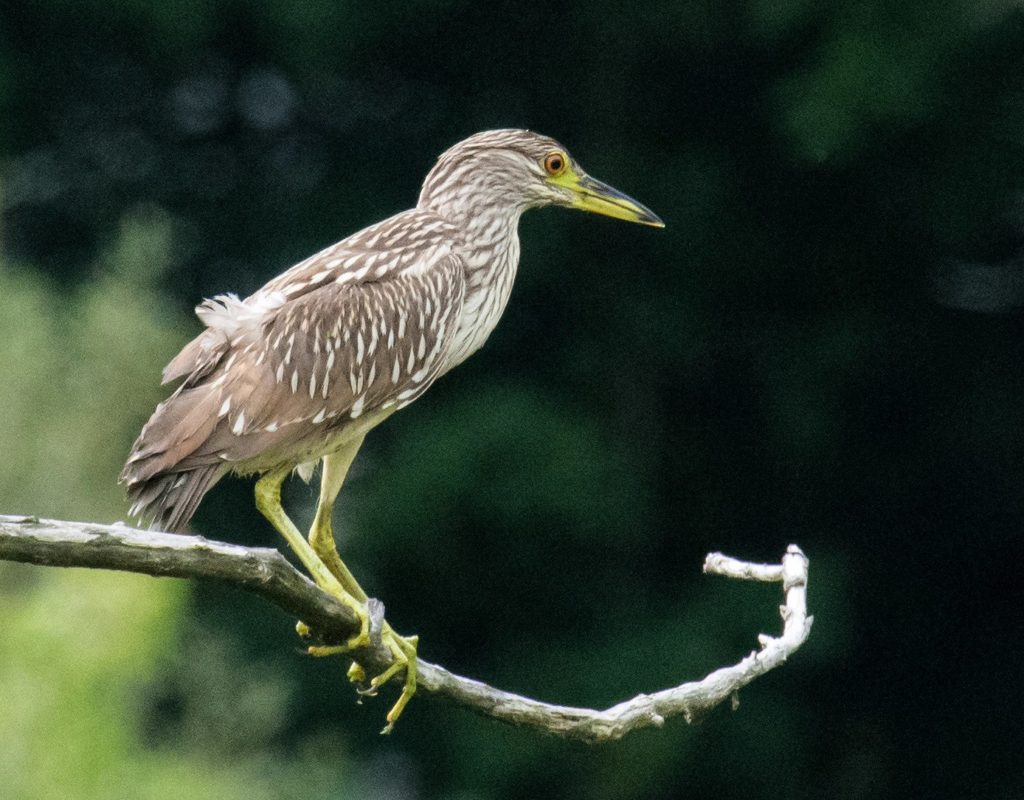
(822,347)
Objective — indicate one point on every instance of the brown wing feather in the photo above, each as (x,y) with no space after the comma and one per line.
(276,379)
(327,359)
(198,357)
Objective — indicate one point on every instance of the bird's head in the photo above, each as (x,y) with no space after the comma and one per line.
(512,170)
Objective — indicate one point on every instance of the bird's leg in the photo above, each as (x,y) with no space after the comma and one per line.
(268,501)
(321,539)
(321,534)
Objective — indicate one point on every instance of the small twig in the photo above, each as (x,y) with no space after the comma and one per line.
(268,573)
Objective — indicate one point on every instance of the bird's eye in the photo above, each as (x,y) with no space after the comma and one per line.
(554,164)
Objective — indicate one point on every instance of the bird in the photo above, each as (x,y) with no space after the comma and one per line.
(295,375)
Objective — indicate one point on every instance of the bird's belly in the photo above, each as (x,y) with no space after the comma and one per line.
(314,447)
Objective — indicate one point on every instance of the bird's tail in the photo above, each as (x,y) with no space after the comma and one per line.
(165,476)
(168,500)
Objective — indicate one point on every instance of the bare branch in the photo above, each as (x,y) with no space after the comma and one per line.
(266,572)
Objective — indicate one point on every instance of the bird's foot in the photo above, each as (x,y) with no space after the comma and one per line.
(403,652)
(362,639)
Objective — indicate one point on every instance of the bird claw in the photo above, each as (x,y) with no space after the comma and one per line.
(363,639)
(374,632)
(399,706)
(403,653)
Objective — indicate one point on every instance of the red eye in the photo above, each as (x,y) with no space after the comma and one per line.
(554,164)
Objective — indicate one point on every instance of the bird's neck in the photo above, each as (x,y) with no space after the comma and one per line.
(490,252)
(488,220)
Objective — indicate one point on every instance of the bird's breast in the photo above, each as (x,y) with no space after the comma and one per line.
(490,272)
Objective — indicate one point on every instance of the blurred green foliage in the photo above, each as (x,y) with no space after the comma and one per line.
(823,346)
(75,365)
(81,651)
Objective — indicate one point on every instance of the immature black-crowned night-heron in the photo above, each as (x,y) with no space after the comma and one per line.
(300,371)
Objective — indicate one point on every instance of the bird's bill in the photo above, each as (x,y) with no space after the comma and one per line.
(589,194)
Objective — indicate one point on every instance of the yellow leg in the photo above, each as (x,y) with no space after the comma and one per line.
(268,501)
(404,650)
(321,535)
(321,540)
